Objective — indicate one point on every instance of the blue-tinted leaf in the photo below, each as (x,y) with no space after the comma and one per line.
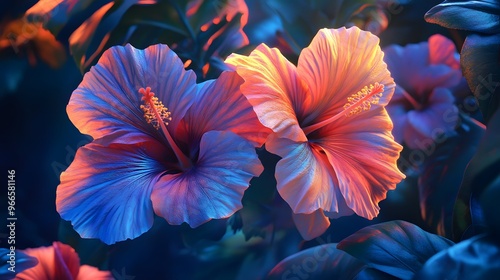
(397,248)
(323,262)
(480,60)
(489,203)
(482,170)
(480,16)
(475,258)
(439,184)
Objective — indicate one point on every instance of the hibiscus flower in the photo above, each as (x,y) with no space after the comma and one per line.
(422,107)
(59,261)
(330,126)
(163,145)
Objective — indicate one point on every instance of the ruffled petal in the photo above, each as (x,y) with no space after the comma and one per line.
(443,51)
(363,154)
(107,101)
(214,187)
(304,177)
(278,95)
(22,262)
(311,225)
(337,64)
(105,192)
(221,106)
(413,66)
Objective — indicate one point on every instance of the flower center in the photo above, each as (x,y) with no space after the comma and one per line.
(356,104)
(158,116)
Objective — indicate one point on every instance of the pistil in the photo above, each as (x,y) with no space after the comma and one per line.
(158,115)
(356,103)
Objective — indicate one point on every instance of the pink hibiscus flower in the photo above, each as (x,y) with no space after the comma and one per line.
(188,163)
(422,107)
(331,128)
(59,261)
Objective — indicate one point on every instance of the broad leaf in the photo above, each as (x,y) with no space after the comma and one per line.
(397,248)
(480,173)
(480,60)
(440,181)
(480,15)
(489,204)
(324,262)
(475,258)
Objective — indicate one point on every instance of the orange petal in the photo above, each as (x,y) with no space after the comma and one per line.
(339,63)
(311,225)
(363,154)
(274,90)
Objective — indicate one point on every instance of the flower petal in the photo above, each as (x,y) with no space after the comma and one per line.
(304,176)
(412,68)
(440,118)
(399,119)
(214,187)
(443,51)
(66,261)
(221,106)
(105,192)
(311,225)
(59,261)
(88,272)
(363,154)
(337,64)
(107,101)
(273,88)
(45,269)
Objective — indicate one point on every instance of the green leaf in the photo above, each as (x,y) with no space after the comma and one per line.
(479,16)
(480,60)
(397,248)
(323,262)
(475,258)
(440,182)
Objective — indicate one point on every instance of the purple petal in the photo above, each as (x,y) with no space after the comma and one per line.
(221,106)
(107,101)
(105,192)
(214,187)
(399,117)
(425,126)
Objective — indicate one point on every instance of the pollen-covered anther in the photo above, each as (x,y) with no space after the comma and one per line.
(363,99)
(154,110)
